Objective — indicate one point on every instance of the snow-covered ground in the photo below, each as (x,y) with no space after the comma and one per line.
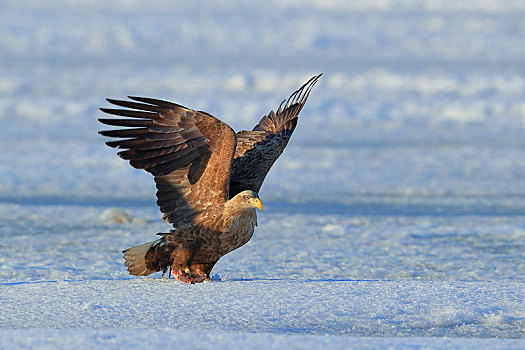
(395,217)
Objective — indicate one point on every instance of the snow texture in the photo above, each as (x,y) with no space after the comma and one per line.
(394,219)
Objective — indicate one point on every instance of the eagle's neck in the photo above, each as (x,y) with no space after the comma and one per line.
(240,216)
(240,224)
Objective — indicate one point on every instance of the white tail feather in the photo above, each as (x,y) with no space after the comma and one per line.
(135,259)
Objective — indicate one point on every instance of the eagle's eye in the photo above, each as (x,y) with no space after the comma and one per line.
(246,197)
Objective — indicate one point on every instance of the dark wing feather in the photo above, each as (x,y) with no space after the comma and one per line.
(188,152)
(258,149)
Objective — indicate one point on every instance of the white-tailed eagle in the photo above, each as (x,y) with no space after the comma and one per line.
(207,176)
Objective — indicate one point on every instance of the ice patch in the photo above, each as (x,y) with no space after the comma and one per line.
(333,229)
(119,216)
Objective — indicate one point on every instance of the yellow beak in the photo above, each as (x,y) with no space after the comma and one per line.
(256,202)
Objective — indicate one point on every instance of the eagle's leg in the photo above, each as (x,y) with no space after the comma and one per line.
(166,269)
(203,269)
(181,266)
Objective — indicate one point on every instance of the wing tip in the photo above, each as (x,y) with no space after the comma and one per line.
(112,100)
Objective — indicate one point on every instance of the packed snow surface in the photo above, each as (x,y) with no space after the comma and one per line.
(395,217)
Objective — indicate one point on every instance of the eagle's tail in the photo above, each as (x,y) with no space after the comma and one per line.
(135,259)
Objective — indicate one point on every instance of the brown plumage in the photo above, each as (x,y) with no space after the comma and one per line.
(207,177)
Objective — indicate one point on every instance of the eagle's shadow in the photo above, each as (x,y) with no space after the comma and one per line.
(217,278)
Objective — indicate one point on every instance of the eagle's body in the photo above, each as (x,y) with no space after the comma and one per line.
(207,178)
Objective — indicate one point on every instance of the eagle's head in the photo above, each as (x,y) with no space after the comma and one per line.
(247,200)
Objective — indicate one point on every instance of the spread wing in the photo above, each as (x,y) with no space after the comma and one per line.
(188,152)
(258,149)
